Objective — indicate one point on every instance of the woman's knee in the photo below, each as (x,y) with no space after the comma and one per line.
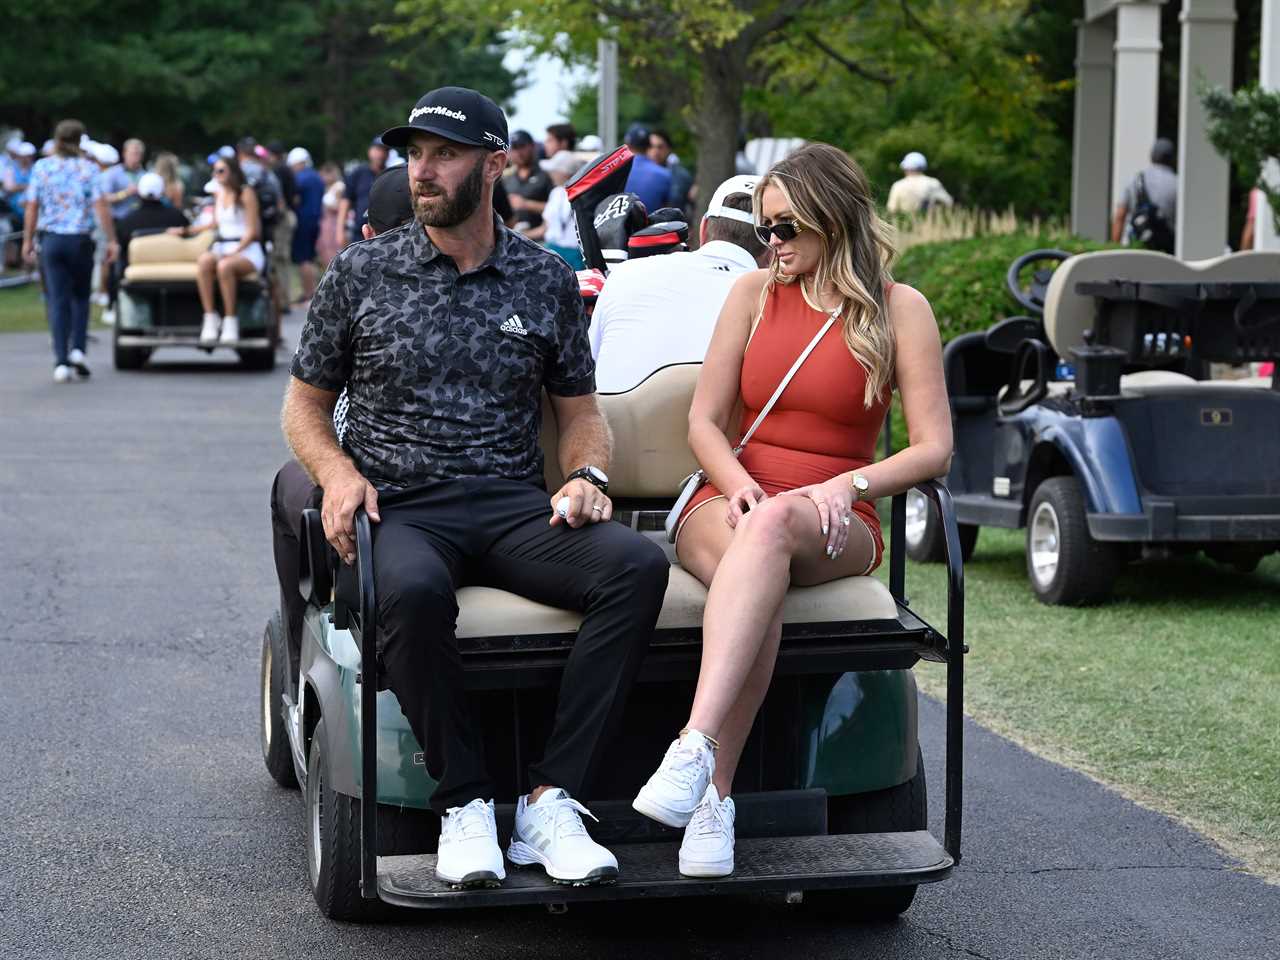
(206,262)
(778,523)
(226,267)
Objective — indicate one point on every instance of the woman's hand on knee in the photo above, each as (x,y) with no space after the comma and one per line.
(834,500)
(742,500)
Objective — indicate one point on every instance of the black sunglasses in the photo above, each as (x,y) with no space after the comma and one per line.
(219,169)
(784,231)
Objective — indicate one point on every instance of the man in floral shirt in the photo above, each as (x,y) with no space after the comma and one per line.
(62,198)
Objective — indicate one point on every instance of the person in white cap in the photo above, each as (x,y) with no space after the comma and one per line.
(308,195)
(153,214)
(557,231)
(662,310)
(14,179)
(915,193)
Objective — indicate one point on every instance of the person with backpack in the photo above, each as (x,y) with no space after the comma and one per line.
(1148,210)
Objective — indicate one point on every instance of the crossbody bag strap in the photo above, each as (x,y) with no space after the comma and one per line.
(804,355)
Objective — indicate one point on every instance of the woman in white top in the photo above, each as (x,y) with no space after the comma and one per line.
(557,229)
(236,251)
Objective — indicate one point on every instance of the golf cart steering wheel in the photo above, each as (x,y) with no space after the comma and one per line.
(1031,296)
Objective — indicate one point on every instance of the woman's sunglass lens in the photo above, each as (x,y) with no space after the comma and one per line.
(783,231)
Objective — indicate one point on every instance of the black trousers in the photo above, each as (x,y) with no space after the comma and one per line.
(488,532)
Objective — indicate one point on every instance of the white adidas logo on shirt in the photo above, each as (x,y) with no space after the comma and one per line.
(513,324)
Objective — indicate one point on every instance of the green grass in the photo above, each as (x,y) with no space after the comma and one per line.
(1170,693)
(22,310)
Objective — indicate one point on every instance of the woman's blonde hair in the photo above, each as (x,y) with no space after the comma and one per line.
(828,194)
(166,164)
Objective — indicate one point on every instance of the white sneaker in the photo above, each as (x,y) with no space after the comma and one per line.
(100,299)
(230,330)
(469,855)
(550,832)
(63,373)
(707,847)
(209,329)
(108,317)
(77,359)
(678,785)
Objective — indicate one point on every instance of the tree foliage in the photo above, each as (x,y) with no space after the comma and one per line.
(1245,128)
(192,75)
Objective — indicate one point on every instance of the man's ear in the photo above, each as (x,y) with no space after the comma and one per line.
(702,232)
(497,164)
(367,232)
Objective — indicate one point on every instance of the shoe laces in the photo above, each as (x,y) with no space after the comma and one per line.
(709,819)
(563,811)
(686,762)
(473,821)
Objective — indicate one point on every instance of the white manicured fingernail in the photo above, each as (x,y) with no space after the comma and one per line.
(824,529)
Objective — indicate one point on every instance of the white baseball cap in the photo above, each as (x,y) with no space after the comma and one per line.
(106,154)
(914,161)
(743,183)
(299,155)
(25,149)
(151,186)
(591,142)
(562,162)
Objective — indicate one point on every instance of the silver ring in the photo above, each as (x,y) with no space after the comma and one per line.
(596,508)
(845,519)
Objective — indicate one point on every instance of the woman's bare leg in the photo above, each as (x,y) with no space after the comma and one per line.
(205,268)
(230,270)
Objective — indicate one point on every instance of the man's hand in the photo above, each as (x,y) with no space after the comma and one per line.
(113,252)
(343,495)
(29,253)
(586,504)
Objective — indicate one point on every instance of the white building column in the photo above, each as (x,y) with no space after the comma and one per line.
(1203,173)
(1091,147)
(1264,230)
(1137,90)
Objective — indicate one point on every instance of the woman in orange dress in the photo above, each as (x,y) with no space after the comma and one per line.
(798,506)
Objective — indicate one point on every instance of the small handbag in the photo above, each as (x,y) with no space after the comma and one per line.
(692,483)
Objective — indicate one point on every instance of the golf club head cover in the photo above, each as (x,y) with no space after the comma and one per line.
(603,177)
(666,237)
(663,214)
(617,218)
(590,284)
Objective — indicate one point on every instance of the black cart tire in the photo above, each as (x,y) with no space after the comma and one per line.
(274,735)
(1065,565)
(893,810)
(127,358)
(333,841)
(924,537)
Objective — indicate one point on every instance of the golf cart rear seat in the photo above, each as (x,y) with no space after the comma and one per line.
(163,258)
(497,629)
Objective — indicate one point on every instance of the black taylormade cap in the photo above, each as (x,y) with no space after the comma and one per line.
(454,113)
(389,202)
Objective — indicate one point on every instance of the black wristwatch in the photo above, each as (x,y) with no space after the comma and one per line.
(593,475)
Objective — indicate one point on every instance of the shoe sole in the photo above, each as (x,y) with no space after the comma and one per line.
(523,855)
(664,815)
(476,880)
(700,871)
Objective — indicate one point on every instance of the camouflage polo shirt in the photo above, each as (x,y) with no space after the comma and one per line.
(444,371)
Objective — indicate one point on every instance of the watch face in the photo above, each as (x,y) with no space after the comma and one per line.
(860,482)
(598,474)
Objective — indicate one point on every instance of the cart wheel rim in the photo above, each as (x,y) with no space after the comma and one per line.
(1046,544)
(267,667)
(315,815)
(917,517)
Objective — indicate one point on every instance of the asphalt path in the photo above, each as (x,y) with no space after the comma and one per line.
(137,819)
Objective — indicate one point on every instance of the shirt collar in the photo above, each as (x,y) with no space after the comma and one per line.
(724,250)
(504,247)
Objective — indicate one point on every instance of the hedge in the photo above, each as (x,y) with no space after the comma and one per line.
(964,280)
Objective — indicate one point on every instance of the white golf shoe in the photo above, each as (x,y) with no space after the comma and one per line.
(551,833)
(469,855)
(209,329)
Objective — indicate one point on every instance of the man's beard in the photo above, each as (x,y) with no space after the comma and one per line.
(450,210)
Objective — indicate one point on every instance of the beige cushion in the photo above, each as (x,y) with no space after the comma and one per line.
(169,273)
(1067,314)
(488,612)
(650,424)
(166,248)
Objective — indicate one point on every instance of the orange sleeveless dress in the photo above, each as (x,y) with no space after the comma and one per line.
(819,426)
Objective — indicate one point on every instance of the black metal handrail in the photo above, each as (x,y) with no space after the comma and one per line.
(938,493)
(368,709)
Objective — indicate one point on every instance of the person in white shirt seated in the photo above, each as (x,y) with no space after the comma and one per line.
(557,231)
(916,193)
(661,310)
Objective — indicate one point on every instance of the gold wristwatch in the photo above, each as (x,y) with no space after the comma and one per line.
(860,486)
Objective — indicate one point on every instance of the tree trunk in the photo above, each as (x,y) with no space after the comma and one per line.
(334,84)
(716,120)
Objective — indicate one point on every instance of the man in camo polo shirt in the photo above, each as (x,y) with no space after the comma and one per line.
(445,332)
